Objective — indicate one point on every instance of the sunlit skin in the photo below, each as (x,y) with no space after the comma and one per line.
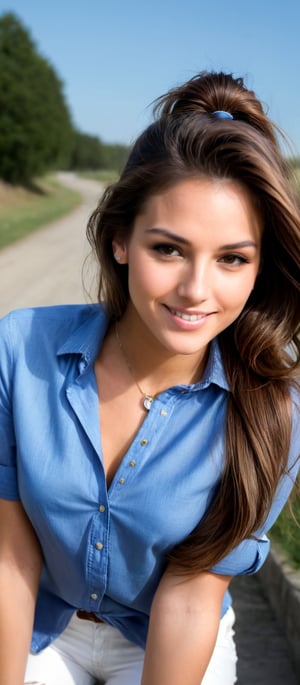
(193,257)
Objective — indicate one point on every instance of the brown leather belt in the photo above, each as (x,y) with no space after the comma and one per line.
(89,616)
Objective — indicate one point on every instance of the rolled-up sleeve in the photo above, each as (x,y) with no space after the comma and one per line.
(246,558)
(249,555)
(8,470)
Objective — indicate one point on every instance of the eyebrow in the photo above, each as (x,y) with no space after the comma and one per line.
(168,234)
(243,243)
(179,239)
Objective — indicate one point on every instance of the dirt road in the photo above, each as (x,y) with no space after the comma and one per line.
(45,267)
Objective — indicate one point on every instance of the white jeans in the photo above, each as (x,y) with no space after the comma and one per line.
(87,652)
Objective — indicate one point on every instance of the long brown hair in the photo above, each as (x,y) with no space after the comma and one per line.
(187,140)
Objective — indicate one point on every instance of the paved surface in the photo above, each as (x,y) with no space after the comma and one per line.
(262,648)
(45,268)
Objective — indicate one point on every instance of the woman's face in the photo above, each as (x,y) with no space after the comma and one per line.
(193,257)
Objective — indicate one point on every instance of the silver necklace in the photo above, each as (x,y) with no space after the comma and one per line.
(148,399)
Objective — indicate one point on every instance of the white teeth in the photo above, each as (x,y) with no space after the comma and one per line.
(187,317)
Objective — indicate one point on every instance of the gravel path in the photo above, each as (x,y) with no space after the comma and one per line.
(45,267)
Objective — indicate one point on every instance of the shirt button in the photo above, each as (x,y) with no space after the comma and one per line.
(94,596)
(102,508)
(163,412)
(144,442)
(121,481)
(132,462)
(99,545)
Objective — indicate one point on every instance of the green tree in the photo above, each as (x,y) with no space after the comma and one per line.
(36,131)
(114,156)
(87,152)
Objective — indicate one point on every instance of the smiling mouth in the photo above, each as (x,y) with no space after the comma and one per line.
(185,316)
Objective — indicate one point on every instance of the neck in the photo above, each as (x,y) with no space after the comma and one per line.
(152,366)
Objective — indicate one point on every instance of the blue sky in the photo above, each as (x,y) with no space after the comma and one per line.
(116,56)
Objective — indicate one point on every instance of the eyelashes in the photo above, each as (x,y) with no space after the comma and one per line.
(234,259)
(167,249)
(170,250)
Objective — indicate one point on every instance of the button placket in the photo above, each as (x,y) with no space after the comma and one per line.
(98,553)
(130,466)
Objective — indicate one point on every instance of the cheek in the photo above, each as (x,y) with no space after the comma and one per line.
(149,278)
(140,283)
(235,292)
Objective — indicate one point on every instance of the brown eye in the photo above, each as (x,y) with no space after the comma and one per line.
(233,259)
(167,249)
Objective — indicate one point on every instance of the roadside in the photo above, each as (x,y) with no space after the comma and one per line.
(45,267)
(264,656)
(281,585)
(23,210)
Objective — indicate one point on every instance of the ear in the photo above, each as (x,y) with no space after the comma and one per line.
(120,250)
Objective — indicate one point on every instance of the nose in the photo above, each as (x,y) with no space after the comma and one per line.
(195,282)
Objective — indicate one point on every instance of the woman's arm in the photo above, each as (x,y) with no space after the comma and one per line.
(20,568)
(184,623)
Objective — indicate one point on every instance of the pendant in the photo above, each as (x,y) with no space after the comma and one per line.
(148,399)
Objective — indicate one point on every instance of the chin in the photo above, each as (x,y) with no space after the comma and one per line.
(186,350)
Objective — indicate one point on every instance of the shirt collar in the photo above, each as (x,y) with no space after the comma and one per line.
(86,340)
(214,371)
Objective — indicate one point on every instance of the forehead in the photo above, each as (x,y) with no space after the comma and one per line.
(203,202)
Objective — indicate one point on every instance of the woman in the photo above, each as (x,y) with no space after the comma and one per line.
(150,442)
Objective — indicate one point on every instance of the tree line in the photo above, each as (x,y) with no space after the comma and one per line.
(36,129)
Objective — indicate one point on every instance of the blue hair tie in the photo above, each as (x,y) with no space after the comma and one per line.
(219,114)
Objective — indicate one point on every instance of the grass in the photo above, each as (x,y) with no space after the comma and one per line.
(286,532)
(25,210)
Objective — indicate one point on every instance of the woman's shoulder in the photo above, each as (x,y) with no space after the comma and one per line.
(52,324)
(68,315)
(51,313)
(295,400)
(294,455)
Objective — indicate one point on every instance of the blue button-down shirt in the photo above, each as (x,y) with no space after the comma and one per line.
(104,550)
